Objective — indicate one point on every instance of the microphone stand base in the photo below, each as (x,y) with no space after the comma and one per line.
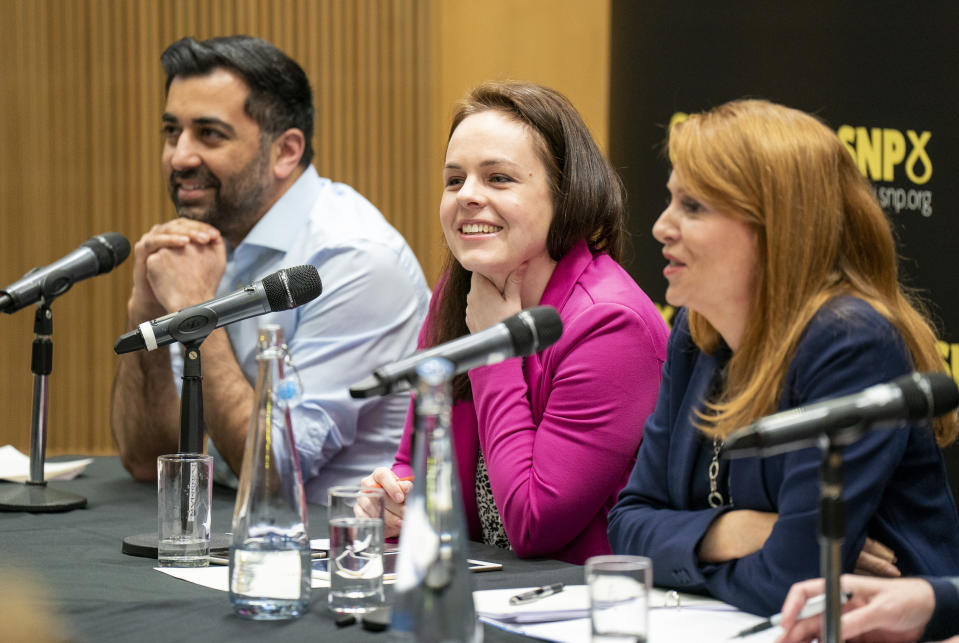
(145,545)
(35,497)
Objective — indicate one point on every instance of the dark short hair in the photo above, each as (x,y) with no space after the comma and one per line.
(280,95)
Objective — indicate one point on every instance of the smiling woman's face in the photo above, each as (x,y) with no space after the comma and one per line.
(496,207)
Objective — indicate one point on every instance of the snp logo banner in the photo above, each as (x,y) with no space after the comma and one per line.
(886,155)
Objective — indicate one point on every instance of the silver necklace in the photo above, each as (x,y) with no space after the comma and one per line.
(715,498)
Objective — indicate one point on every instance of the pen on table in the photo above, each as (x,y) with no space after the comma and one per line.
(815,605)
(536,594)
(403,479)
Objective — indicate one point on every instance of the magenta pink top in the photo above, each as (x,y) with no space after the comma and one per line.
(559,430)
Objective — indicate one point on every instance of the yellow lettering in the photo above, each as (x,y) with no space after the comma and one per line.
(917,154)
(950,358)
(667,313)
(954,359)
(943,352)
(678,117)
(893,151)
(847,134)
(878,151)
(869,152)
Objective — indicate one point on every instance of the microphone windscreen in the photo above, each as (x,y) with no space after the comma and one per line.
(292,287)
(928,395)
(549,327)
(533,329)
(110,249)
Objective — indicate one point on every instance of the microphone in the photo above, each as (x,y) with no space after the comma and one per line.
(528,331)
(98,255)
(282,290)
(917,396)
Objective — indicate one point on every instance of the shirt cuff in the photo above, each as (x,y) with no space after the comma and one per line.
(945,618)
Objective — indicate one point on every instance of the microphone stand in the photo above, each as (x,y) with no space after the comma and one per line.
(832,523)
(34,495)
(192,426)
(832,530)
(192,438)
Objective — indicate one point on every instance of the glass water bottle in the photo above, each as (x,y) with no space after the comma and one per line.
(270,557)
(434,592)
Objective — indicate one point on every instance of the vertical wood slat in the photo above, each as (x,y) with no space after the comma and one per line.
(80,103)
(17,229)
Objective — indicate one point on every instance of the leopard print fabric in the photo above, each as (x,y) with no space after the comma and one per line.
(490,520)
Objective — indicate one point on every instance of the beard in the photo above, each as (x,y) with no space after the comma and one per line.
(238,199)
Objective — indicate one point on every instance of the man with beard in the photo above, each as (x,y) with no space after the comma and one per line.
(237,127)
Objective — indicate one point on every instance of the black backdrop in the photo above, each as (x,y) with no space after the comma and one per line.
(884,75)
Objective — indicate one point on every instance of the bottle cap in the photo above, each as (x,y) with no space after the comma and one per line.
(269,336)
(434,371)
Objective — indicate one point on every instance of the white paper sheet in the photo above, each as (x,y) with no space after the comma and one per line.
(15,466)
(571,603)
(217,576)
(698,618)
(683,625)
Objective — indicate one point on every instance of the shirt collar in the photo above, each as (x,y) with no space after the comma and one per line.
(283,223)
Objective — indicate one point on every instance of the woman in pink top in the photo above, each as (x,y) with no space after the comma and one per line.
(533,214)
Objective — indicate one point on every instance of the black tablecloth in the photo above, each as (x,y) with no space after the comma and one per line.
(100,594)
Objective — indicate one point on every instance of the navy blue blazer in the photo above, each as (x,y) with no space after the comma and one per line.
(894,480)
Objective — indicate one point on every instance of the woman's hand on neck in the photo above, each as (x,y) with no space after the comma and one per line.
(489,303)
(493,298)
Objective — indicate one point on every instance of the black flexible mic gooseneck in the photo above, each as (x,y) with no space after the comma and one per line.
(528,331)
(98,255)
(916,396)
(281,290)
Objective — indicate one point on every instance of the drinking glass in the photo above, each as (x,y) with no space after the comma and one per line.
(619,588)
(356,549)
(184,494)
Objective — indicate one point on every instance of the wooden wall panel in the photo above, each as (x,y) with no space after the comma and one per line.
(563,44)
(81,92)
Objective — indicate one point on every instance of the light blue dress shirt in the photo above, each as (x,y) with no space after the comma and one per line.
(373,303)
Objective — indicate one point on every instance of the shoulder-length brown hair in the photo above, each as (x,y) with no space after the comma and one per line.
(589,201)
(821,233)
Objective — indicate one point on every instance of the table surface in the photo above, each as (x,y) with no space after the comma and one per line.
(101,594)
